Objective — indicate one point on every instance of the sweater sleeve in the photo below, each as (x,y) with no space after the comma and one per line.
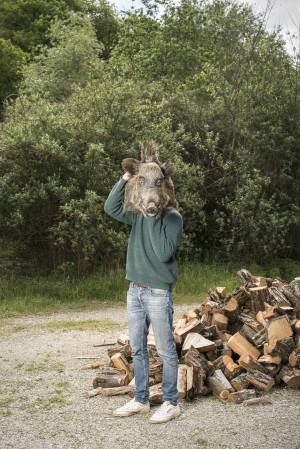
(113,205)
(165,235)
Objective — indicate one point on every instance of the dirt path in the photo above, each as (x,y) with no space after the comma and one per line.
(42,403)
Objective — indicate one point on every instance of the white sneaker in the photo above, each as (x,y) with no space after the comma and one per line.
(165,412)
(132,407)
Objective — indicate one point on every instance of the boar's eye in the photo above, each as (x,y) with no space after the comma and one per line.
(141,180)
(158,182)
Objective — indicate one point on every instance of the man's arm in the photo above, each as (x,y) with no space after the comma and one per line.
(113,205)
(165,236)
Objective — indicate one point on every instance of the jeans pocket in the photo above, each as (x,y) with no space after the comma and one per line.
(158,291)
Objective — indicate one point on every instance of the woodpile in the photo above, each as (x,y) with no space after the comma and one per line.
(235,346)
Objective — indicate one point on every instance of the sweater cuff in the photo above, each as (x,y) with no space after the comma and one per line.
(122,182)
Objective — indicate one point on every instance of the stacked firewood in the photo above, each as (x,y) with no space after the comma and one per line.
(235,346)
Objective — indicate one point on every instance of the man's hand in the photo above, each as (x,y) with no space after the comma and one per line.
(127,176)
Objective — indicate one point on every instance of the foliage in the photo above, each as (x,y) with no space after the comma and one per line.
(11,62)
(24,32)
(219,94)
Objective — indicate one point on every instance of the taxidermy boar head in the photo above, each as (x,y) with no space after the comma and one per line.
(150,190)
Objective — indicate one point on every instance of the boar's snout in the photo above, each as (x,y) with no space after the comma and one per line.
(151,210)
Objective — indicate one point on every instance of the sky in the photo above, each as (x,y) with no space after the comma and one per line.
(285,13)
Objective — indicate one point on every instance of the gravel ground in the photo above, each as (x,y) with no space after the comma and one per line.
(42,402)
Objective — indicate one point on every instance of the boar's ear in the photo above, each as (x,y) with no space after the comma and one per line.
(131,165)
(168,168)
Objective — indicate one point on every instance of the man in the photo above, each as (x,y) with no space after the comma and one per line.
(151,268)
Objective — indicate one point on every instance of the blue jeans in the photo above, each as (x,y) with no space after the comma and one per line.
(147,305)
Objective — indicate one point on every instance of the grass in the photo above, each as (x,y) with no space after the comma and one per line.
(84,325)
(19,296)
(44,366)
(55,399)
(62,385)
(201,442)
(5,404)
(62,325)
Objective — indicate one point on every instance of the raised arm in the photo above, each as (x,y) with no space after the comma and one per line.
(165,235)
(113,205)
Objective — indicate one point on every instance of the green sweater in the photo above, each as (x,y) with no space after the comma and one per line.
(152,242)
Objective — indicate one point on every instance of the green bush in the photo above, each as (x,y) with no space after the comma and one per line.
(208,83)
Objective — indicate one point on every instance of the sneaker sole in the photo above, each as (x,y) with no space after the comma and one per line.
(130,413)
(156,421)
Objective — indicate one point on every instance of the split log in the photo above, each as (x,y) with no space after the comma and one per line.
(193,358)
(273,370)
(214,296)
(278,298)
(241,346)
(226,349)
(155,363)
(210,332)
(260,317)
(201,369)
(289,294)
(297,327)
(258,296)
(247,332)
(219,363)
(181,381)
(261,400)
(123,339)
(155,367)
(239,396)
(249,363)
(220,320)
(231,309)
(282,348)
(232,368)
(194,325)
(290,376)
(156,394)
(279,328)
(189,378)
(152,381)
(121,363)
(250,321)
(199,342)
(125,350)
(190,315)
(261,281)
(295,286)
(270,312)
(181,322)
(221,292)
(240,382)
(111,380)
(294,359)
(220,385)
(241,295)
(260,338)
(246,276)
(260,380)
(270,359)
(211,355)
(150,339)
